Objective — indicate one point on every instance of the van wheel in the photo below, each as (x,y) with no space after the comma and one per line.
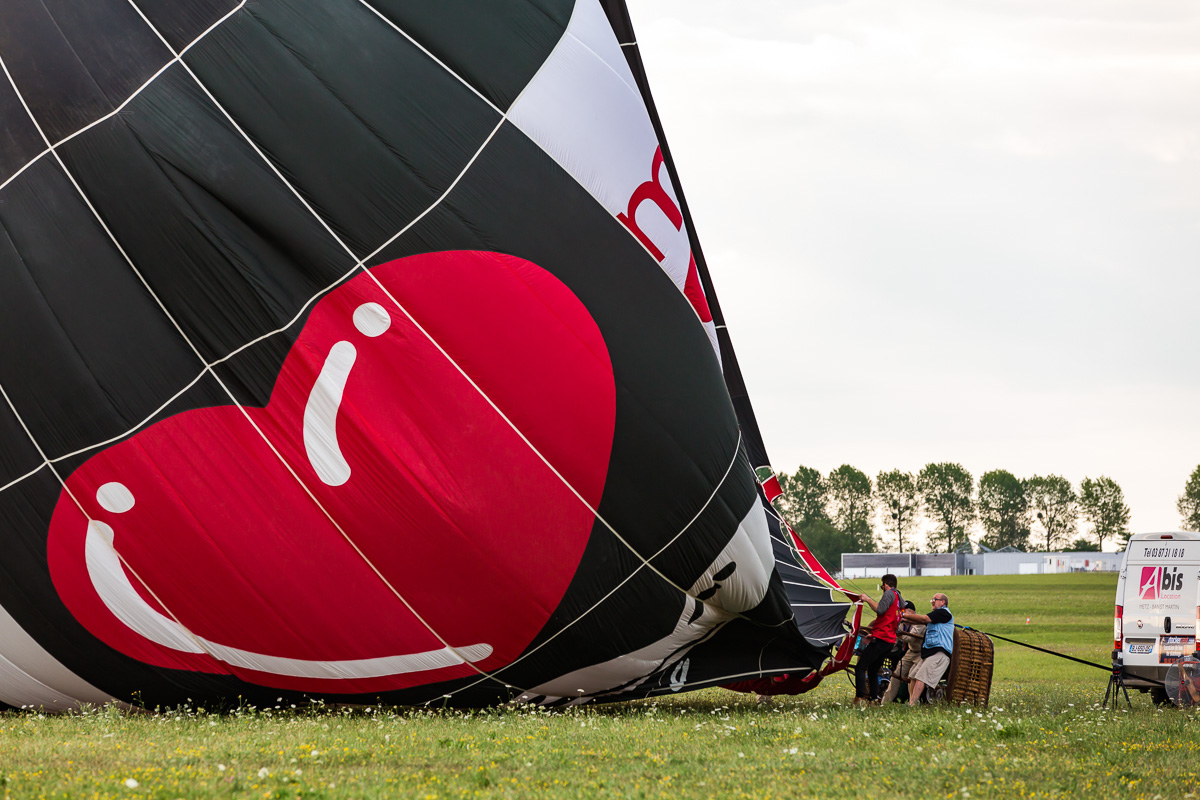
(1159,697)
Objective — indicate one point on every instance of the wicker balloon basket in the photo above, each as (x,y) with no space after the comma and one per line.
(970,677)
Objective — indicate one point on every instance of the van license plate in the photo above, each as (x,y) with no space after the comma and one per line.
(1138,648)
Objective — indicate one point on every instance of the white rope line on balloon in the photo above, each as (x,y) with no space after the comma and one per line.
(200,644)
(791,546)
(775,538)
(804,584)
(815,586)
(431,56)
(809,586)
(645,563)
(27,475)
(127,100)
(631,687)
(135,428)
(632,87)
(798,563)
(62,482)
(720,680)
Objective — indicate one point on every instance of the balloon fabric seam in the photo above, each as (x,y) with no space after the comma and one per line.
(176,58)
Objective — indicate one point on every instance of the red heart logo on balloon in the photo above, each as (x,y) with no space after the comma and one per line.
(409,507)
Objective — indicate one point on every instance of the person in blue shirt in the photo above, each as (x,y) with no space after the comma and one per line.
(939,644)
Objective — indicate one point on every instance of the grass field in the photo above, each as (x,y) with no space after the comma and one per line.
(1043,736)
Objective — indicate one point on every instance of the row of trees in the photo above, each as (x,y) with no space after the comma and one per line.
(1189,502)
(834,512)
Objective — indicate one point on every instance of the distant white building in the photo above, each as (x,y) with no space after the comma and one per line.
(909,565)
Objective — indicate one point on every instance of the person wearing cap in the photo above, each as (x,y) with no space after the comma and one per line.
(912,635)
(935,650)
(882,639)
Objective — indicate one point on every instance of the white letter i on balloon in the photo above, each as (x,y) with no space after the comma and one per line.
(325,399)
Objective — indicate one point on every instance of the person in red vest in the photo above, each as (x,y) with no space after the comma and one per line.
(882,633)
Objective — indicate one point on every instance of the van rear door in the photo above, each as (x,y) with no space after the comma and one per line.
(1159,591)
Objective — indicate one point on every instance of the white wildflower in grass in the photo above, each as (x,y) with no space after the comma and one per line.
(263,772)
(131,783)
(741,755)
(220,767)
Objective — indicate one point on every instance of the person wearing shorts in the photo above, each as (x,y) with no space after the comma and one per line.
(913,637)
(936,650)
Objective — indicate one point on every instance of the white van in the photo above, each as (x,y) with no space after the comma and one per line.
(1157,606)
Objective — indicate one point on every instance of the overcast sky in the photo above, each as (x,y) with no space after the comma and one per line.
(951,230)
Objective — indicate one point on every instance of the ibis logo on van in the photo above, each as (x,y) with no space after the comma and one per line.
(1160,583)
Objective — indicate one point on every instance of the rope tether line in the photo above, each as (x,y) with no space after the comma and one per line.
(1105,667)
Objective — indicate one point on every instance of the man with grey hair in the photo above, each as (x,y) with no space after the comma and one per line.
(935,652)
